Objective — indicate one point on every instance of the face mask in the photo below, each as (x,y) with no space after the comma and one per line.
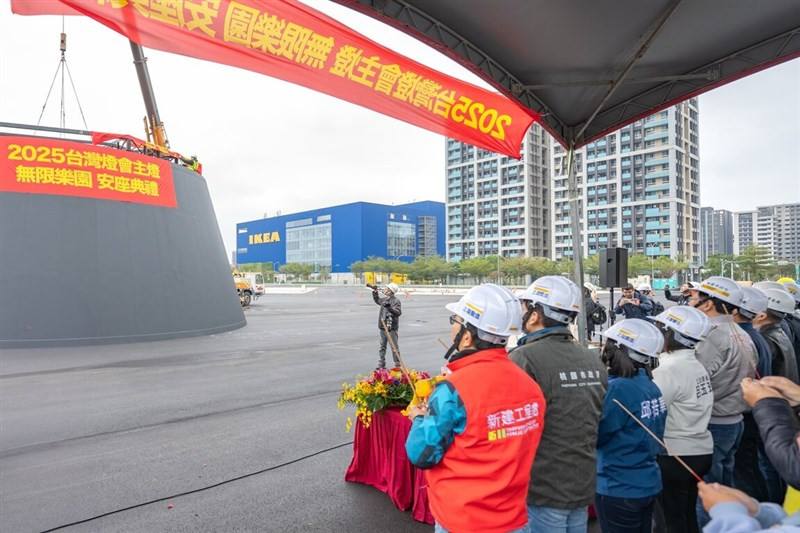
(456,341)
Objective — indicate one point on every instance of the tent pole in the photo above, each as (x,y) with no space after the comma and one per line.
(651,34)
(577,246)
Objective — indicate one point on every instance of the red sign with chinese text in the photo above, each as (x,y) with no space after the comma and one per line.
(293,42)
(48,166)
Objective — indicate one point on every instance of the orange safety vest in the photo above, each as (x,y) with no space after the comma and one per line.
(481,483)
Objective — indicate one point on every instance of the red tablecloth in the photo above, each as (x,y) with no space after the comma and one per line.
(379,460)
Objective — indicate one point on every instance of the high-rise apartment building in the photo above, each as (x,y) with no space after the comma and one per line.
(639,188)
(745,228)
(775,227)
(716,232)
(497,205)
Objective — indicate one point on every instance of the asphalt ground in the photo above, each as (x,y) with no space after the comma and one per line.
(86,431)
(89,430)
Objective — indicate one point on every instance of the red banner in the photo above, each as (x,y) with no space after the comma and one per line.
(48,166)
(290,41)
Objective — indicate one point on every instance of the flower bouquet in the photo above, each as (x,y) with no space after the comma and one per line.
(380,390)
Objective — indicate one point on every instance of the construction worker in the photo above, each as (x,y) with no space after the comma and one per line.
(388,319)
(729,356)
(753,473)
(632,304)
(628,476)
(779,304)
(686,388)
(787,323)
(793,320)
(479,432)
(573,381)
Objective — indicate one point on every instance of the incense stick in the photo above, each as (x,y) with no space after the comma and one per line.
(677,458)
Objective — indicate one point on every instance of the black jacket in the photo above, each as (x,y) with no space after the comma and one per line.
(792,329)
(390,311)
(574,381)
(779,430)
(679,298)
(635,311)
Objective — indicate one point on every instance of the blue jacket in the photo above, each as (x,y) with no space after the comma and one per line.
(626,454)
(764,366)
(431,435)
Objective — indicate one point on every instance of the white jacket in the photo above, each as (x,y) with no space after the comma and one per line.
(686,388)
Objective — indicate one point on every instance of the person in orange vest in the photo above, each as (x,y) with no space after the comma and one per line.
(478,433)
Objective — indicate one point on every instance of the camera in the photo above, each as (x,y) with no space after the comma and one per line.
(373,287)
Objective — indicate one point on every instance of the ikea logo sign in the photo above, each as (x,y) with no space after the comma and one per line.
(264,238)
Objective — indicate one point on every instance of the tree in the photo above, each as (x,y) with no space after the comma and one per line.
(478,267)
(756,262)
(430,268)
(591,265)
(298,270)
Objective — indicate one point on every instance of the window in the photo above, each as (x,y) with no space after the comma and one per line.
(401,239)
(310,245)
(298,223)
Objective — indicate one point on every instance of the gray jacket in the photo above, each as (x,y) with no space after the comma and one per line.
(574,381)
(784,362)
(391,309)
(729,356)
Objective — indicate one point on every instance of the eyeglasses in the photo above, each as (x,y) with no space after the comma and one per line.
(454,320)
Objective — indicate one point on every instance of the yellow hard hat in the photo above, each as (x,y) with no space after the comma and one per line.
(786,280)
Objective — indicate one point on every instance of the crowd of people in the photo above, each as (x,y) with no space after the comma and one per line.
(684,421)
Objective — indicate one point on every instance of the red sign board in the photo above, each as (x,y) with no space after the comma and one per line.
(288,40)
(49,166)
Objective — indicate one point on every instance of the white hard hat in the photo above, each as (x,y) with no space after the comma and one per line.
(644,287)
(764,285)
(688,324)
(393,287)
(493,310)
(754,302)
(724,289)
(693,284)
(556,294)
(793,289)
(640,336)
(779,301)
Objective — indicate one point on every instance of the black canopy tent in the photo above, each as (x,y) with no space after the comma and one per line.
(590,67)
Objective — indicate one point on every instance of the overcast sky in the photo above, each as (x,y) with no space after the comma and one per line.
(269,146)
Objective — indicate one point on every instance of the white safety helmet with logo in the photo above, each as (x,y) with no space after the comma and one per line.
(723,289)
(779,302)
(393,287)
(754,302)
(764,285)
(492,310)
(644,287)
(688,325)
(643,340)
(558,296)
(793,289)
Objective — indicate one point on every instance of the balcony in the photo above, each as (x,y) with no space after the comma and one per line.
(653,136)
(659,161)
(656,174)
(657,121)
(656,225)
(657,188)
(654,212)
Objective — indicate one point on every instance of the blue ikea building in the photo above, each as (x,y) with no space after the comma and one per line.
(335,237)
